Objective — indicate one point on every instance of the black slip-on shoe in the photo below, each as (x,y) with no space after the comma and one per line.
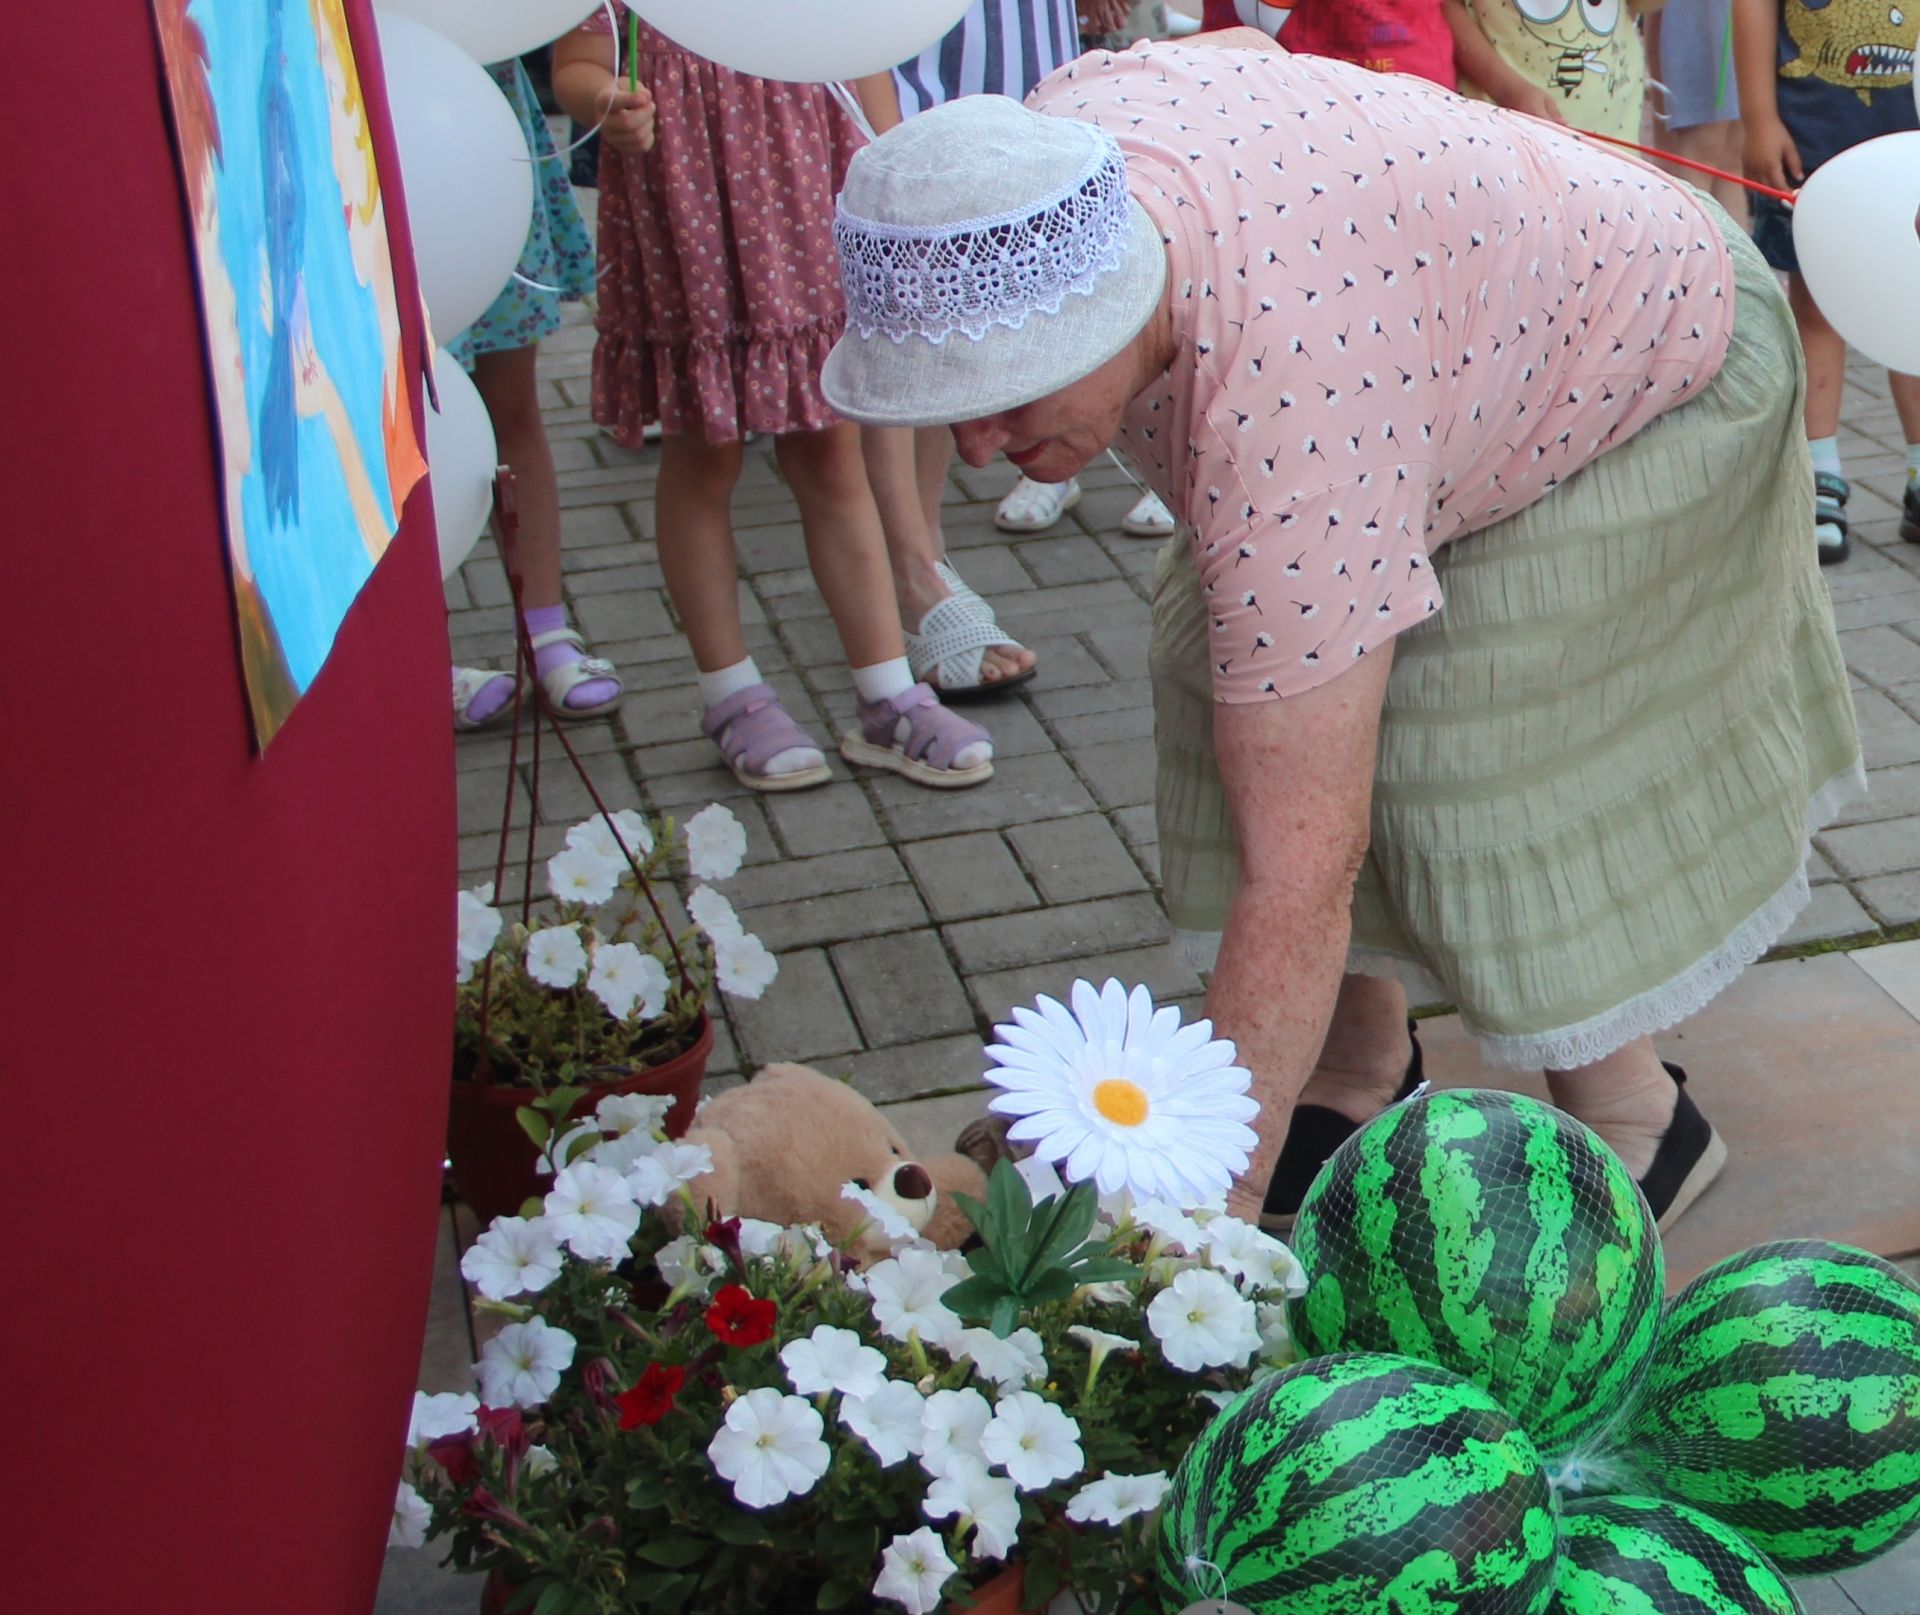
(1690,1157)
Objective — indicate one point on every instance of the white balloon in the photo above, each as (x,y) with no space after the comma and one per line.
(494,30)
(1854,233)
(461,457)
(466,169)
(803,41)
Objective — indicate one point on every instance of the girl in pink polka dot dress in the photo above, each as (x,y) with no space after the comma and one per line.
(719,291)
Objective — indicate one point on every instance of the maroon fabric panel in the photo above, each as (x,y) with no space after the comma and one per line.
(226,977)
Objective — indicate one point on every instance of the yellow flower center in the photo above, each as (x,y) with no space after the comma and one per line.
(1121,1102)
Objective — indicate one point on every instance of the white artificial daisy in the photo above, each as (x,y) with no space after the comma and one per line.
(478,928)
(951,1424)
(715,843)
(1040,1177)
(1113,1499)
(521,1366)
(1120,1094)
(770,1447)
(989,1503)
(906,1291)
(624,1113)
(893,1228)
(581,875)
(743,965)
(594,835)
(656,1175)
(890,1421)
(1202,1321)
(714,914)
(442,1413)
(411,1517)
(592,1211)
(913,1569)
(627,981)
(1009,1363)
(833,1360)
(555,955)
(515,1256)
(1034,1441)
(1257,1260)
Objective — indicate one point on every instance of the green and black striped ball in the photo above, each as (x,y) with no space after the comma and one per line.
(1358,1484)
(1783,1397)
(1645,1556)
(1495,1236)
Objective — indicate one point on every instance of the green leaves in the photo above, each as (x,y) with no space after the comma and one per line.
(1030,1254)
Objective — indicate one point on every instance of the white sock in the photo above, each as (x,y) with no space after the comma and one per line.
(717,686)
(885,680)
(1913,464)
(1826,454)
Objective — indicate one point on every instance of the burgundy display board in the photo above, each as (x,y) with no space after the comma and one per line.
(227,978)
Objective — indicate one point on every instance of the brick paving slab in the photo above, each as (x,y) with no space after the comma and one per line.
(902,988)
(964,876)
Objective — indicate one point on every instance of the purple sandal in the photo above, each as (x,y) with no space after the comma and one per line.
(751,728)
(925,755)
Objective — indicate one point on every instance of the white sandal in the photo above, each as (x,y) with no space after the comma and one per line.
(468,682)
(556,685)
(949,649)
(1148,519)
(1033,507)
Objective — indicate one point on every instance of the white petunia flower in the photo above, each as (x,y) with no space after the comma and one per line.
(1100,1344)
(1169,1224)
(1276,1339)
(913,1569)
(1116,1498)
(446,1413)
(770,1448)
(1120,1094)
(887,1222)
(515,1256)
(538,1461)
(906,1291)
(715,843)
(581,875)
(625,980)
(1201,1321)
(687,1261)
(833,1360)
(1257,1259)
(653,1178)
(624,1113)
(743,965)
(411,1517)
(714,914)
(889,1421)
(479,925)
(596,838)
(951,1424)
(555,956)
(1009,1363)
(592,1211)
(989,1503)
(757,1238)
(521,1366)
(1034,1441)
(1220,1401)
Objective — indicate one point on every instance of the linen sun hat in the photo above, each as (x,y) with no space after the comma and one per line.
(991,255)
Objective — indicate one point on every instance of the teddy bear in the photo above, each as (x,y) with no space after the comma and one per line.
(785,1143)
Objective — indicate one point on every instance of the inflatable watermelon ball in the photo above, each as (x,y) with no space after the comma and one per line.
(1495,1236)
(1620,1554)
(1783,1398)
(1355,1485)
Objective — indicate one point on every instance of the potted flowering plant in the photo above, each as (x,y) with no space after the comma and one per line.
(591,993)
(785,1430)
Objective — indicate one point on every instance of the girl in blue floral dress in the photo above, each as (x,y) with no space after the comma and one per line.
(500,350)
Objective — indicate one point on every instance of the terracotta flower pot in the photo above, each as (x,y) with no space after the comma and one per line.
(493,1159)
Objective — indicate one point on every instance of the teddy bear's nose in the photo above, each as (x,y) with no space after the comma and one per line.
(911,1182)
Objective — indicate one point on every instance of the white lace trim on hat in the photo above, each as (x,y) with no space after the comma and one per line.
(998,270)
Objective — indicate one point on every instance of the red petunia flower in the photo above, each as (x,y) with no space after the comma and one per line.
(651,1400)
(737,1319)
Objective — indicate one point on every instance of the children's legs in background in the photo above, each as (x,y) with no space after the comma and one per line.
(1718,145)
(508,384)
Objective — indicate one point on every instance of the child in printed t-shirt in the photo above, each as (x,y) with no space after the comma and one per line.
(1389,36)
(1575,61)
(1815,80)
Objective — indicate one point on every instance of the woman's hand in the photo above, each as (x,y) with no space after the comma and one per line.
(1770,156)
(1523,96)
(1103,16)
(626,118)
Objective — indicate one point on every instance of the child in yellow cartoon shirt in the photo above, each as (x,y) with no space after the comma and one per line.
(1818,76)
(1577,61)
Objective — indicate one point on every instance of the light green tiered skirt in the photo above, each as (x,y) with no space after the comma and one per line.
(1601,762)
